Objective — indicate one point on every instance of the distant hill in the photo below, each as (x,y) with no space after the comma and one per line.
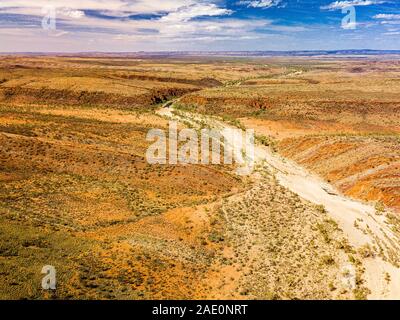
(163,54)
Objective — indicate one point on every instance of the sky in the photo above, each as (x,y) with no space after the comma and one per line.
(202,25)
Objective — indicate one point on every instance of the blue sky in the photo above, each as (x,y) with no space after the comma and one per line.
(158,25)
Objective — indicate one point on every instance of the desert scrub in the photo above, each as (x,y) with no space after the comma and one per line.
(394,222)
(379,208)
(185,107)
(361,294)
(27,130)
(366,251)
(328,260)
(267,141)
(216,237)
(320,208)
(327,229)
(233,121)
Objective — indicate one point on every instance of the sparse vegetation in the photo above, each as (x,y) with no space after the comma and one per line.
(77,193)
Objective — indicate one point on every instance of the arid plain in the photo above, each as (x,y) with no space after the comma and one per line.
(77,193)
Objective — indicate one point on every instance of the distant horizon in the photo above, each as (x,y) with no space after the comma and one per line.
(327,52)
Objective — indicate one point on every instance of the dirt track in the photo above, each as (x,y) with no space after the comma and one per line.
(361,224)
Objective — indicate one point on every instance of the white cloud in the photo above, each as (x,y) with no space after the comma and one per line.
(215,28)
(177,27)
(175,10)
(392,33)
(387,16)
(337,5)
(133,6)
(178,16)
(391,22)
(388,19)
(197,10)
(264,4)
(349,26)
(74,14)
